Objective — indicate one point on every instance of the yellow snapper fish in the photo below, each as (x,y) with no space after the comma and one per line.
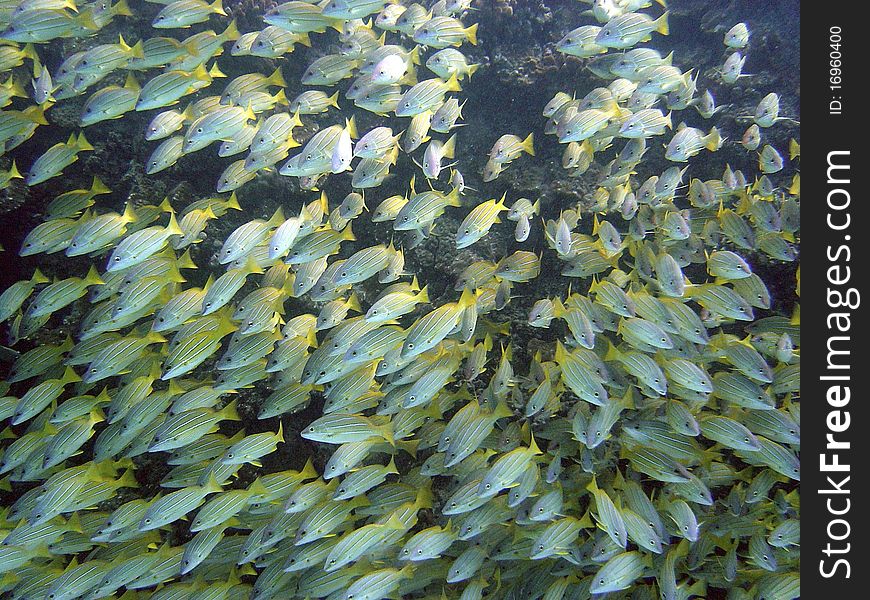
(313,102)
(184,13)
(689,141)
(435,152)
(737,37)
(426,95)
(626,30)
(56,159)
(451,61)
(111,102)
(443,31)
(479,221)
(43,25)
(167,88)
(221,124)
(509,146)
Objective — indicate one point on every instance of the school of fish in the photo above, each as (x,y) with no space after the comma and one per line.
(649,449)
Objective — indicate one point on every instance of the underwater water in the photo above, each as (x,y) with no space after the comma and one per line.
(362,299)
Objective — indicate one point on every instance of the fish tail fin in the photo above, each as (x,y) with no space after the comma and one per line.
(280,98)
(165,206)
(472,69)
(131,83)
(214,72)
(36,114)
(30,52)
(128,479)
(277,78)
(410,77)
(533,446)
(467,299)
(38,277)
(231,33)
(668,122)
(312,338)
(185,261)
(233,202)
(453,198)
(453,84)
(423,295)
(353,303)
(350,124)
(332,101)
(250,115)
(14,173)
(69,376)
(38,67)
(16,89)
(86,20)
(487,342)
(154,337)
(662,24)
(612,352)
(308,471)
(348,234)
(129,215)
(471,34)
(528,144)
(502,410)
(82,143)
(121,8)
(449,147)
(137,50)
(229,412)
(414,55)
(218,7)
(324,203)
(251,266)
(277,218)
(391,466)
(212,486)
(98,187)
(305,40)
(386,431)
(173,228)
(713,140)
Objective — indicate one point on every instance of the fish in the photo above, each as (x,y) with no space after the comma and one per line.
(443,31)
(732,68)
(690,141)
(450,61)
(43,25)
(581,42)
(184,13)
(167,88)
(442,461)
(626,30)
(737,37)
(425,96)
(769,160)
(51,163)
(313,102)
(509,147)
